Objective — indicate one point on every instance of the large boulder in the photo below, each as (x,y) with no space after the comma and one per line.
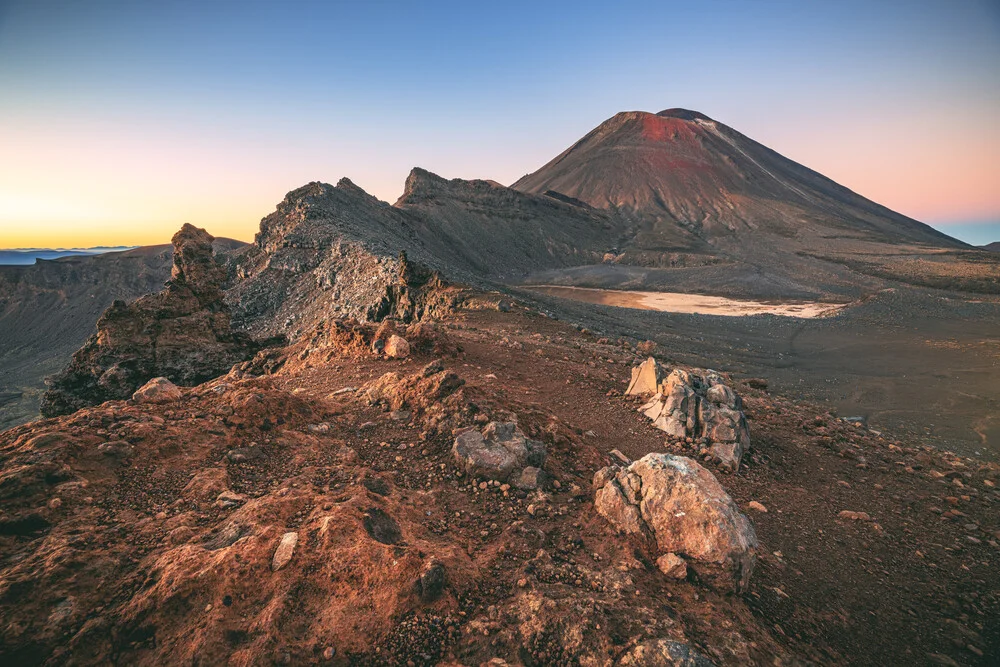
(680,508)
(697,405)
(498,451)
(397,347)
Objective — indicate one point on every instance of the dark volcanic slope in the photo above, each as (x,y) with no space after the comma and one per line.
(334,251)
(696,179)
(48,310)
(501,233)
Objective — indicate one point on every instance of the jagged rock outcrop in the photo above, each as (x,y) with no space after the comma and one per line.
(697,406)
(333,252)
(182,333)
(681,509)
(50,309)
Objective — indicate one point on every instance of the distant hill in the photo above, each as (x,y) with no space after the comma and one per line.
(992,247)
(27,256)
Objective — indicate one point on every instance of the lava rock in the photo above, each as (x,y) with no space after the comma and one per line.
(682,509)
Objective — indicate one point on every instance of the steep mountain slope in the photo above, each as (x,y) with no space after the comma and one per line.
(500,233)
(695,180)
(48,310)
(336,251)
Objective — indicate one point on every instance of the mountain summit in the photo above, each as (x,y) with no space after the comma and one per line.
(695,181)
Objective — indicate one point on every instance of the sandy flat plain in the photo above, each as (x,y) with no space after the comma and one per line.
(692,304)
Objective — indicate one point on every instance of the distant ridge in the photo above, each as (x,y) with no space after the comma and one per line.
(27,256)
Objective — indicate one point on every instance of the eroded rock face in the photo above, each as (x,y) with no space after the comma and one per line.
(182,333)
(333,252)
(691,405)
(500,450)
(680,507)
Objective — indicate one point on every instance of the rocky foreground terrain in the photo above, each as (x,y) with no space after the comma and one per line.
(312,507)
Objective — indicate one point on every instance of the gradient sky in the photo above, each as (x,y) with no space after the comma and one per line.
(119,121)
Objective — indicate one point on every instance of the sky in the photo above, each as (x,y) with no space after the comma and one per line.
(120,121)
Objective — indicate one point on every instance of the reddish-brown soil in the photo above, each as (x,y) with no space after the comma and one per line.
(124,555)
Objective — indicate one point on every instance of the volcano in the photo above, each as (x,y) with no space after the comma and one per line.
(690,183)
(703,207)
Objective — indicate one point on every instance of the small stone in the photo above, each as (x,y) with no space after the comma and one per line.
(283,554)
(616,454)
(754,505)
(672,565)
(432,582)
(228,499)
(329,652)
(397,347)
(529,479)
(55,503)
(854,516)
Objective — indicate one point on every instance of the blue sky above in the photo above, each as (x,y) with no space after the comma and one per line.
(132,117)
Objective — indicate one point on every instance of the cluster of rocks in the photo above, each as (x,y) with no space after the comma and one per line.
(699,406)
(432,396)
(501,452)
(182,333)
(685,516)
